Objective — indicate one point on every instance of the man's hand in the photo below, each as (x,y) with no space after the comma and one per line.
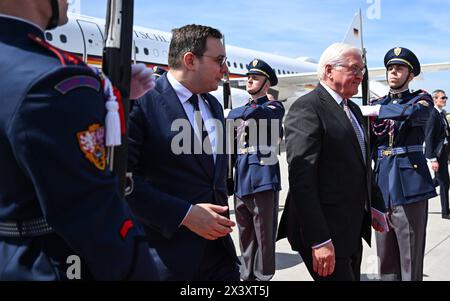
(324,259)
(205,220)
(142,80)
(435,166)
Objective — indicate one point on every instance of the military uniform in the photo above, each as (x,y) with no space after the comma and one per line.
(257,178)
(57,196)
(402,174)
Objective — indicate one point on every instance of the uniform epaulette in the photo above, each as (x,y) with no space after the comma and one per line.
(64,57)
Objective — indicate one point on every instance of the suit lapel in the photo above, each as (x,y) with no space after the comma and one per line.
(338,113)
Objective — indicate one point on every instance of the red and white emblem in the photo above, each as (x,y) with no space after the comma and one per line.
(92,143)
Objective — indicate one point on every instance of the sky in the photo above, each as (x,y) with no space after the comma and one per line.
(305,28)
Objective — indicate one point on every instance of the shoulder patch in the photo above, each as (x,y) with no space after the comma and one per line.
(79,81)
(92,144)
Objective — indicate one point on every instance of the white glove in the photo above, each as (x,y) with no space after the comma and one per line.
(142,80)
(226,112)
(370,110)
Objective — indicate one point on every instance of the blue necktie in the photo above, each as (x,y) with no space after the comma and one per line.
(359,134)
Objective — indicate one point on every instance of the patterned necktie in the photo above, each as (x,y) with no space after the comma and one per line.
(206,143)
(359,134)
(444,120)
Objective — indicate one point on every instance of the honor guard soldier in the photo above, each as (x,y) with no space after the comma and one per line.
(401,169)
(158,71)
(257,173)
(59,201)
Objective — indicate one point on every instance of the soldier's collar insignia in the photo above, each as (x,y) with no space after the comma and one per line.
(397,51)
(92,144)
(155,68)
(255,63)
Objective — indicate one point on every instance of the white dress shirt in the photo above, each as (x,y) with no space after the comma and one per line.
(183,95)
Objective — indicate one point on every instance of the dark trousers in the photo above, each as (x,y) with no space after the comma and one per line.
(443,179)
(257,220)
(346,268)
(217,264)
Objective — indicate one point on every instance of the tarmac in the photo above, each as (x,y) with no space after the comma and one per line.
(290,266)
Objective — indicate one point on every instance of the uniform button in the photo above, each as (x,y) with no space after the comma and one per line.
(415,166)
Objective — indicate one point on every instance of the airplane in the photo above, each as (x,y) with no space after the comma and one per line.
(83,36)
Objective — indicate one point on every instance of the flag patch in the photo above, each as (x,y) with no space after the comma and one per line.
(92,144)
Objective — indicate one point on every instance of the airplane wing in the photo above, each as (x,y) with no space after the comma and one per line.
(289,85)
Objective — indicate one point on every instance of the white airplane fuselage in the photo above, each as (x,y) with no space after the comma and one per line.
(83,36)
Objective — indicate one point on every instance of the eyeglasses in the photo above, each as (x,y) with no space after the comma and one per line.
(221,60)
(355,70)
(442,97)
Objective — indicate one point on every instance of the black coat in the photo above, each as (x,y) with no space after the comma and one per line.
(328,178)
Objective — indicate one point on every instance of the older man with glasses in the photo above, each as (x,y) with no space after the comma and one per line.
(327,210)
(437,136)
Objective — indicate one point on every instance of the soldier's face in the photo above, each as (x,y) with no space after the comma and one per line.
(398,76)
(440,100)
(346,82)
(254,82)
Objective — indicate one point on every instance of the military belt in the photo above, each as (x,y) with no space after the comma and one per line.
(392,151)
(31,228)
(254,149)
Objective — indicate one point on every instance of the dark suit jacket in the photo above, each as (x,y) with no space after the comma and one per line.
(328,177)
(435,134)
(166,184)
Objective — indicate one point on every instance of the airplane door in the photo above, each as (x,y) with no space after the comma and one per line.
(93,39)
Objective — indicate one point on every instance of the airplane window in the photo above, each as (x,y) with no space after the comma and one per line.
(284,72)
(48,36)
(146,51)
(228,63)
(155,52)
(279,72)
(242,67)
(136,50)
(63,38)
(235,65)
(90,41)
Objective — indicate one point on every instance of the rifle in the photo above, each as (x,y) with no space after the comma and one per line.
(117,66)
(365,85)
(228,104)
